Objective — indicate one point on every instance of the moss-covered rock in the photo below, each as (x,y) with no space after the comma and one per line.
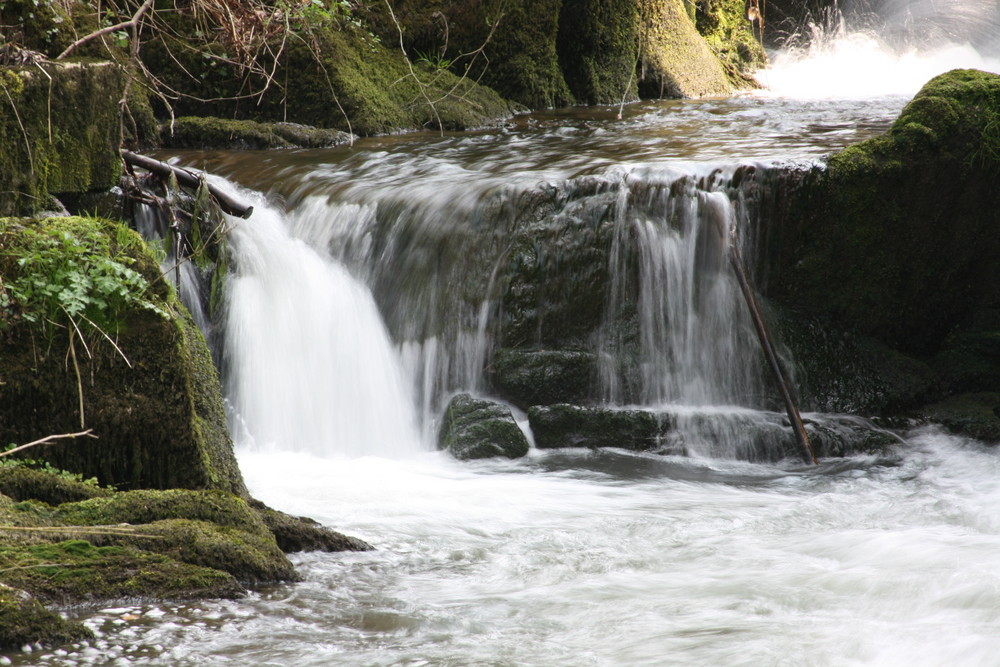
(970,358)
(599,48)
(474,428)
(299,533)
(24,621)
(222,133)
(837,370)
(973,415)
(23,483)
(563,425)
(675,60)
(543,377)
(152,399)
(76,570)
(59,126)
(897,238)
(731,37)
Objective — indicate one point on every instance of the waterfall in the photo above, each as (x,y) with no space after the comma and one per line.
(308,363)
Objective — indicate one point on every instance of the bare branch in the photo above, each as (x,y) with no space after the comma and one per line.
(48,440)
(131,23)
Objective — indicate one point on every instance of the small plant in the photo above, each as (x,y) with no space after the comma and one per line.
(67,279)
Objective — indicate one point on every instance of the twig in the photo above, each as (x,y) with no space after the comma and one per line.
(49,439)
(131,23)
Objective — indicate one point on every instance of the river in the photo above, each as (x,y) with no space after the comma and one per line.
(565,557)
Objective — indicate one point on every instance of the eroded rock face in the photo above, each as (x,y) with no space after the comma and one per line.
(475,428)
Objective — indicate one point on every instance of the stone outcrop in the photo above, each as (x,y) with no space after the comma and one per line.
(475,428)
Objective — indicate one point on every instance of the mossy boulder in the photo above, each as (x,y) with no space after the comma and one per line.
(152,399)
(677,61)
(543,377)
(564,425)
(897,238)
(59,125)
(342,76)
(24,621)
(731,36)
(598,49)
(475,428)
(223,133)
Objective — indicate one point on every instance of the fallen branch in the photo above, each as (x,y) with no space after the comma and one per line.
(49,439)
(764,336)
(190,179)
(131,23)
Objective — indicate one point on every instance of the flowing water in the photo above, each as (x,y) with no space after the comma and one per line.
(350,318)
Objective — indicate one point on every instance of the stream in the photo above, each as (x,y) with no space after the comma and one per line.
(338,353)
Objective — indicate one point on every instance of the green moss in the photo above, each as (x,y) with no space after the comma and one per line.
(60,130)
(158,416)
(598,48)
(732,38)
(76,570)
(898,239)
(147,506)
(675,61)
(474,428)
(24,621)
(22,483)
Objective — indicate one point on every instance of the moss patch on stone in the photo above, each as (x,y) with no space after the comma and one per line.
(76,570)
(299,533)
(732,38)
(23,621)
(474,428)
(543,377)
(59,126)
(222,133)
(973,415)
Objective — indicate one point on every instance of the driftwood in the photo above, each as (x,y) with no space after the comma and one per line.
(190,179)
(766,342)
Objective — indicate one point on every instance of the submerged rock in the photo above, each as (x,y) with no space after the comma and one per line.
(24,621)
(556,426)
(476,428)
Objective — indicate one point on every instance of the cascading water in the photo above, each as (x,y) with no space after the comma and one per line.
(308,363)
(564,558)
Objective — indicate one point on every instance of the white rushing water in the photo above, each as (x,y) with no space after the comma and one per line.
(565,558)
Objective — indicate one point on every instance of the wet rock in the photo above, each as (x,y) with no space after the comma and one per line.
(23,621)
(564,425)
(543,377)
(897,237)
(973,415)
(475,428)
(839,436)
(224,133)
(299,533)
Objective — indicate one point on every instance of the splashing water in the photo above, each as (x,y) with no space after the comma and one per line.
(841,61)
